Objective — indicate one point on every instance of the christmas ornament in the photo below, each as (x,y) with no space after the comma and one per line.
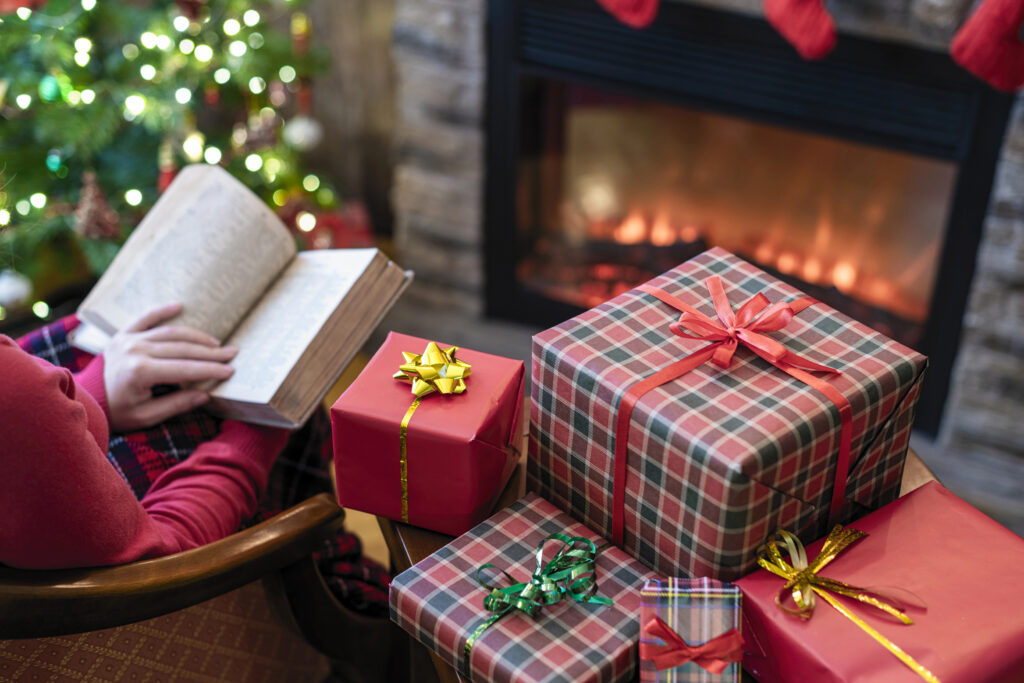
(190,8)
(989,45)
(93,217)
(211,96)
(166,169)
(303,133)
(806,24)
(7,6)
(635,13)
(15,289)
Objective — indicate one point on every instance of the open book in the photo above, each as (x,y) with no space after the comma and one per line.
(296,318)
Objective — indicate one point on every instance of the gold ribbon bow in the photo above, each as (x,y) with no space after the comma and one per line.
(803,582)
(434,370)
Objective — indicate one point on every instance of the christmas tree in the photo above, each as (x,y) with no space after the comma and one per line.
(102,101)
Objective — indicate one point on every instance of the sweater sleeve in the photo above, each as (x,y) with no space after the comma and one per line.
(63,505)
(90,378)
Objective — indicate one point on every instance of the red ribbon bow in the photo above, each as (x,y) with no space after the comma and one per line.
(713,656)
(744,326)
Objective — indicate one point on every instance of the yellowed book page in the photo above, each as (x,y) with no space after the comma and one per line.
(281,326)
(209,243)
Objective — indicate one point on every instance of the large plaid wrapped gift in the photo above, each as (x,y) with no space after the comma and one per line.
(690,631)
(685,432)
(428,434)
(440,602)
(945,566)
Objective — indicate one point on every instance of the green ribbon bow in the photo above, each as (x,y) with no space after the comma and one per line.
(570,573)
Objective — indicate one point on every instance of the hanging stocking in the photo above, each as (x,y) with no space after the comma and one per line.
(989,46)
(635,13)
(806,24)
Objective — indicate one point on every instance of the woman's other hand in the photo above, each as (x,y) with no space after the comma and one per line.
(147,354)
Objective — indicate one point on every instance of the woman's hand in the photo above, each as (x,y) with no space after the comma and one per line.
(144,355)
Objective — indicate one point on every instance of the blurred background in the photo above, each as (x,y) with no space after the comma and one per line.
(531,159)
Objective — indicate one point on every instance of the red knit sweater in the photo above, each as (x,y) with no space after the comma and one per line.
(63,505)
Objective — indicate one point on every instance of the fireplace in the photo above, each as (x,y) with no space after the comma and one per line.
(615,154)
(615,190)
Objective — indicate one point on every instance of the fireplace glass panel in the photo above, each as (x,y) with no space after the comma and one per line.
(614,190)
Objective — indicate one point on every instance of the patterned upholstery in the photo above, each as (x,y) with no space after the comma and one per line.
(233,637)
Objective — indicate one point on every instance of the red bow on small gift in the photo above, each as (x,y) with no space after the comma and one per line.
(713,656)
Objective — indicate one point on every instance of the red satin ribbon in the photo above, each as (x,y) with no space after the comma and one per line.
(713,656)
(745,326)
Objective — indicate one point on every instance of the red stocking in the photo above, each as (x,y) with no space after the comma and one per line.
(988,44)
(806,24)
(635,13)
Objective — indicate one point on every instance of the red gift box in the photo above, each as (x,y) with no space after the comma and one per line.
(964,567)
(460,449)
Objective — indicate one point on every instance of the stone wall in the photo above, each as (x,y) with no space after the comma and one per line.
(440,60)
(440,56)
(982,436)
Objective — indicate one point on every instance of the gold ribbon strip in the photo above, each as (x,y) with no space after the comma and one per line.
(803,582)
(434,370)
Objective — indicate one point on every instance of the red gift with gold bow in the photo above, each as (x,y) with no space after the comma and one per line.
(428,433)
(925,589)
(688,418)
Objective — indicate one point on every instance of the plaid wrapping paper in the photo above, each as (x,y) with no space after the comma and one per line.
(299,472)
(717,459)
(698,610)
(440,603)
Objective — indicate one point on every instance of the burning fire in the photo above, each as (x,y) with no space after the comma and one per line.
(847,275)
(815,265)
(663,231)
(633,230)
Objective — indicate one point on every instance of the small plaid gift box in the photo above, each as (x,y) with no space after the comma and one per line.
(688,418)
(440,603)
(689,631)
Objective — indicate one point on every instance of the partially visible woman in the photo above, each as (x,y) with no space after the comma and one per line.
(62,503)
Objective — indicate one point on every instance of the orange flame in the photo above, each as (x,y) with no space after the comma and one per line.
(844,275)
(633,230)
(663,233)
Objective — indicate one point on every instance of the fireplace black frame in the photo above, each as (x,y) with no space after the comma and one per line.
(887,94)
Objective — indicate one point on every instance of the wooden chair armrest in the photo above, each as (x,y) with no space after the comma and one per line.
(40,603)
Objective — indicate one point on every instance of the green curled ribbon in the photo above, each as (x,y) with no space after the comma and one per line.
(570,573)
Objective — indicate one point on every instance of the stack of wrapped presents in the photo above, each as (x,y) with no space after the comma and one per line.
(713,474)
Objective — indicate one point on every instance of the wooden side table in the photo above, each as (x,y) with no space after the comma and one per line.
(409,544)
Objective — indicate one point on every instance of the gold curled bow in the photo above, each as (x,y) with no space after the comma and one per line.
(803,582)
(434,370)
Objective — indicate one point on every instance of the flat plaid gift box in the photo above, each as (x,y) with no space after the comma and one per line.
(696,612)
(717,458)
(440,603)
